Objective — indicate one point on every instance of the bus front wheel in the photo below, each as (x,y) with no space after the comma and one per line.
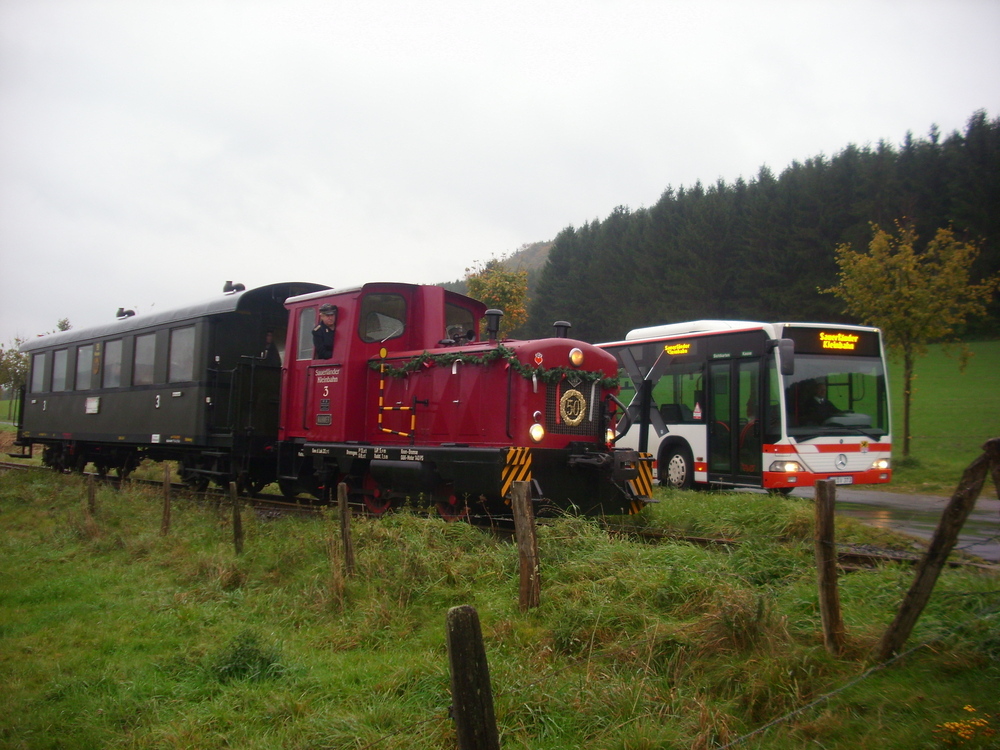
(677,471)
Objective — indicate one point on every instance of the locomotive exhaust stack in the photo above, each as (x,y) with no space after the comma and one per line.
(493,323)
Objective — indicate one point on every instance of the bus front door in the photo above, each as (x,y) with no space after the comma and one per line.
(734,429)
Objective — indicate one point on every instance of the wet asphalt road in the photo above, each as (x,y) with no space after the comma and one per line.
(918,516)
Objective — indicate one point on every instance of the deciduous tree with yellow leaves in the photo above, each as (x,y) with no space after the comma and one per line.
(916,297)
(499,287)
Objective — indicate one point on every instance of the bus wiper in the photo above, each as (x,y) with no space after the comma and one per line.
(873,433)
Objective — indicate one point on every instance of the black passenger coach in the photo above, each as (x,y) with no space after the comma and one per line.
(196,385)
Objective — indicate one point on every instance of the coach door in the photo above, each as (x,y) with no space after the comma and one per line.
(734,429)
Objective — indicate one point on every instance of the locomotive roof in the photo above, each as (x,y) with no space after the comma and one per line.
(327,292)
(225,303)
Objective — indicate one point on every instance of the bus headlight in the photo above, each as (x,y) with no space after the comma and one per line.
(575,357)
(537,432)
(880,463)
(787,467)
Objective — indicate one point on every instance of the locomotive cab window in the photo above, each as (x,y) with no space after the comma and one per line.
(307,320)
(181,355)
(383,317)
(460,325)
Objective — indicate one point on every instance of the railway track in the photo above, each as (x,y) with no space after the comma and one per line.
(850,557)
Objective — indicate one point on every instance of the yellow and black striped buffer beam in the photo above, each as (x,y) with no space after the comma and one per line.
(517,468)
(642,485)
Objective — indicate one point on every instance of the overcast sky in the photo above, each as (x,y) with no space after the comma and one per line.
(151,150)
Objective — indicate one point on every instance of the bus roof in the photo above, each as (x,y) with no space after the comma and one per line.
(691,326)
(718,326)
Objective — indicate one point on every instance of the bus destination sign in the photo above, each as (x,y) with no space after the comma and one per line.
(845,341)
(832,340)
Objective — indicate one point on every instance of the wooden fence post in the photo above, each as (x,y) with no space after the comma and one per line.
(961,504)
(345,529)
(471,692)
(91,495)
(527,546)
(234,496)
(165,521)
(826,567)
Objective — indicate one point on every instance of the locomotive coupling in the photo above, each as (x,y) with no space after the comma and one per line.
(622,462)
(594,460)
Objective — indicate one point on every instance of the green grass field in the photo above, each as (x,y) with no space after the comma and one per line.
(114,636)
(953,414)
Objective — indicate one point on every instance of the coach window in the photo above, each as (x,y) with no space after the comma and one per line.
(84,367)
(307,321)
(382,318)
(113,364)
(59,360)
(37,372)
(181,355)
(142,363)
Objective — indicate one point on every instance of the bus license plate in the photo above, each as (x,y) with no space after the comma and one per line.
(843,480)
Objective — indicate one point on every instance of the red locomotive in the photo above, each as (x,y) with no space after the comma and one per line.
(411,403)
(392,390)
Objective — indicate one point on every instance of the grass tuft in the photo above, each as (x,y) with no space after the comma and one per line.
(247,657)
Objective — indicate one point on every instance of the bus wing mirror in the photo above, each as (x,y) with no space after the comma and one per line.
(786,355)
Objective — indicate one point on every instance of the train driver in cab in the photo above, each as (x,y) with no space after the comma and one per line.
(323,332)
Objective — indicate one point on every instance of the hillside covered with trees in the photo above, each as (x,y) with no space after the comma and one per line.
(761,249)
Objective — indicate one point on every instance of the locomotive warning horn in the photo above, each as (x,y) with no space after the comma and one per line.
(493,323)
(123,313)
(230,288)
(562,328)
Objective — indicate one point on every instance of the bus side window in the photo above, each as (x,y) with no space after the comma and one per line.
(677,393)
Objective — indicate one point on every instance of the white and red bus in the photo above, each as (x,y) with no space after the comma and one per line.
(745,404)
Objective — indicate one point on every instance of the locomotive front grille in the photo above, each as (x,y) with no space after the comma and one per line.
(574,409)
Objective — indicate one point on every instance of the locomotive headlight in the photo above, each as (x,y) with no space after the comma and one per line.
(609,436)
(537,432)
(575,357)
(788,467)
(880,463)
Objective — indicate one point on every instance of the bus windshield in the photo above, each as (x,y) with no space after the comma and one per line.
(832,395)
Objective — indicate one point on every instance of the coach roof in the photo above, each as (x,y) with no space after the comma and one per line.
(220,305)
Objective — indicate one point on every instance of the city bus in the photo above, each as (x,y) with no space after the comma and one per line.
(776,406)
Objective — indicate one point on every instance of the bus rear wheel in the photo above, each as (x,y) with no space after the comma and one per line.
(677,468)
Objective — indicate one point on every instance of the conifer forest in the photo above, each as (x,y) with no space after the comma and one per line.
(762,248)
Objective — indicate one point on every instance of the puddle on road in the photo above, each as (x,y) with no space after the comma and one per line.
(980,535)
